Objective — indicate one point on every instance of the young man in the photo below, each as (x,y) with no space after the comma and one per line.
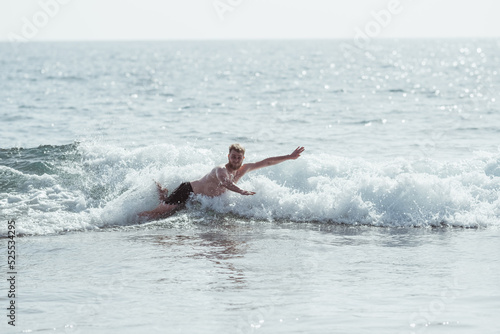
(218,181)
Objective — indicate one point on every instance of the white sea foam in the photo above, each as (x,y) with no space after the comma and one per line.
(110,185)
(401,193)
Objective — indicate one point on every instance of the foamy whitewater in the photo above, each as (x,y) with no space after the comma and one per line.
(92,185)
(402,151)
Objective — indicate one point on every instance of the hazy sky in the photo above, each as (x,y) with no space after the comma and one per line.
(234,19)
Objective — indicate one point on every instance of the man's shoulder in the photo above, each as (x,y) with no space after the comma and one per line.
(246,168)
(249,166)
(218,168)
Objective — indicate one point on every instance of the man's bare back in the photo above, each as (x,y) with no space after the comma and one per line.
(216,182)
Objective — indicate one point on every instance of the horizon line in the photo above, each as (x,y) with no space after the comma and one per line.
(247,39)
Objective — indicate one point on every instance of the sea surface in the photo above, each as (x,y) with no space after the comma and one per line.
(389,222)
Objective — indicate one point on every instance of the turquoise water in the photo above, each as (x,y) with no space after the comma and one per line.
(388,223)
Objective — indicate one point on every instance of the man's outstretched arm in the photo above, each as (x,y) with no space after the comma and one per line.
(274,160)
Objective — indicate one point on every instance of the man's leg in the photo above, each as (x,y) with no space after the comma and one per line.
(162,211)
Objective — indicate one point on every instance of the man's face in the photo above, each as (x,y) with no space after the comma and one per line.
(235,159)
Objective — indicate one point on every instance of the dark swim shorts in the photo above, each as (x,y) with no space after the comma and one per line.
(180,195)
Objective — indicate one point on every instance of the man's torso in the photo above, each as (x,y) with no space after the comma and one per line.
(210,185)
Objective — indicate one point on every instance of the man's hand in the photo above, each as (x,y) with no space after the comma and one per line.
(247,193)
(295,154)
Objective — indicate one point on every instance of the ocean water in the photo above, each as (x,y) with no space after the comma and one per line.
(388,222)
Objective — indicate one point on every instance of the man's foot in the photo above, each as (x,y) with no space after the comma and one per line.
(162,192)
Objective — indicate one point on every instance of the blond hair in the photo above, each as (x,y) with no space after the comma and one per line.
(238,148)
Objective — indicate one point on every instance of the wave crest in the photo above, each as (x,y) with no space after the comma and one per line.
(91,186)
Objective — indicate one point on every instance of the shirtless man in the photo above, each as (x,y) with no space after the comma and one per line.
(218,181)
